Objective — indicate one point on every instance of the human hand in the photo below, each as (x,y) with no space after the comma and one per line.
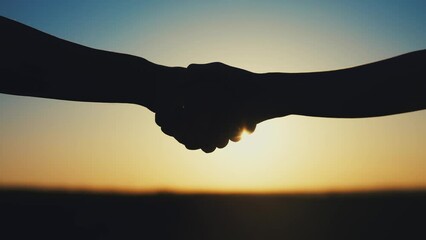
(207,106)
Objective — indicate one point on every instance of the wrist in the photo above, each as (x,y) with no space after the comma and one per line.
(273,96)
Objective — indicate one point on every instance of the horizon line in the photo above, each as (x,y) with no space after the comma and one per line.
(165,191)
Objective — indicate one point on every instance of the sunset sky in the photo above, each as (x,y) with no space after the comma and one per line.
(62,144)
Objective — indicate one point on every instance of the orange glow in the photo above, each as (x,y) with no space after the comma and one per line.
(120,147)
(244,133)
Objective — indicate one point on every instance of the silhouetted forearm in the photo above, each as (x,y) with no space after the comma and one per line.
(392,86)
(33,63)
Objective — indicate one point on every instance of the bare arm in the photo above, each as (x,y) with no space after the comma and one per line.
(33,63)
(391,86)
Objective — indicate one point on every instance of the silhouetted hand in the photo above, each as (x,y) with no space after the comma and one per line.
(208,106)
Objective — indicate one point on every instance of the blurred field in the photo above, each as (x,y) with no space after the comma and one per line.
(30,214)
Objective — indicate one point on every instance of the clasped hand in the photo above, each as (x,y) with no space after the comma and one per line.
(207,107)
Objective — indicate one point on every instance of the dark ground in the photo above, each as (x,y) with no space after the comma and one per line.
(65,215)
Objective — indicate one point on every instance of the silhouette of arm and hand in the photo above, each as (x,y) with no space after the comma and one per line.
(204,106)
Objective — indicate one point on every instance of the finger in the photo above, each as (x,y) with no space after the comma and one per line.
(208,149)
(172,127)
(222,143)
(190,141)
(235,134)
(167,131)
(159,120)
(221,138)
(236,138)
(191,146)
(250,127)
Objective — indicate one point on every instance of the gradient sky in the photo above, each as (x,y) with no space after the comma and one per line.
(55,143)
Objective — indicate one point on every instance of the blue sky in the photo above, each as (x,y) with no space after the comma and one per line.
(389,27)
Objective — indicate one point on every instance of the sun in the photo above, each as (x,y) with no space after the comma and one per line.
(244,133)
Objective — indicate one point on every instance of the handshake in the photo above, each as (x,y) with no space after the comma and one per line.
(209,105)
